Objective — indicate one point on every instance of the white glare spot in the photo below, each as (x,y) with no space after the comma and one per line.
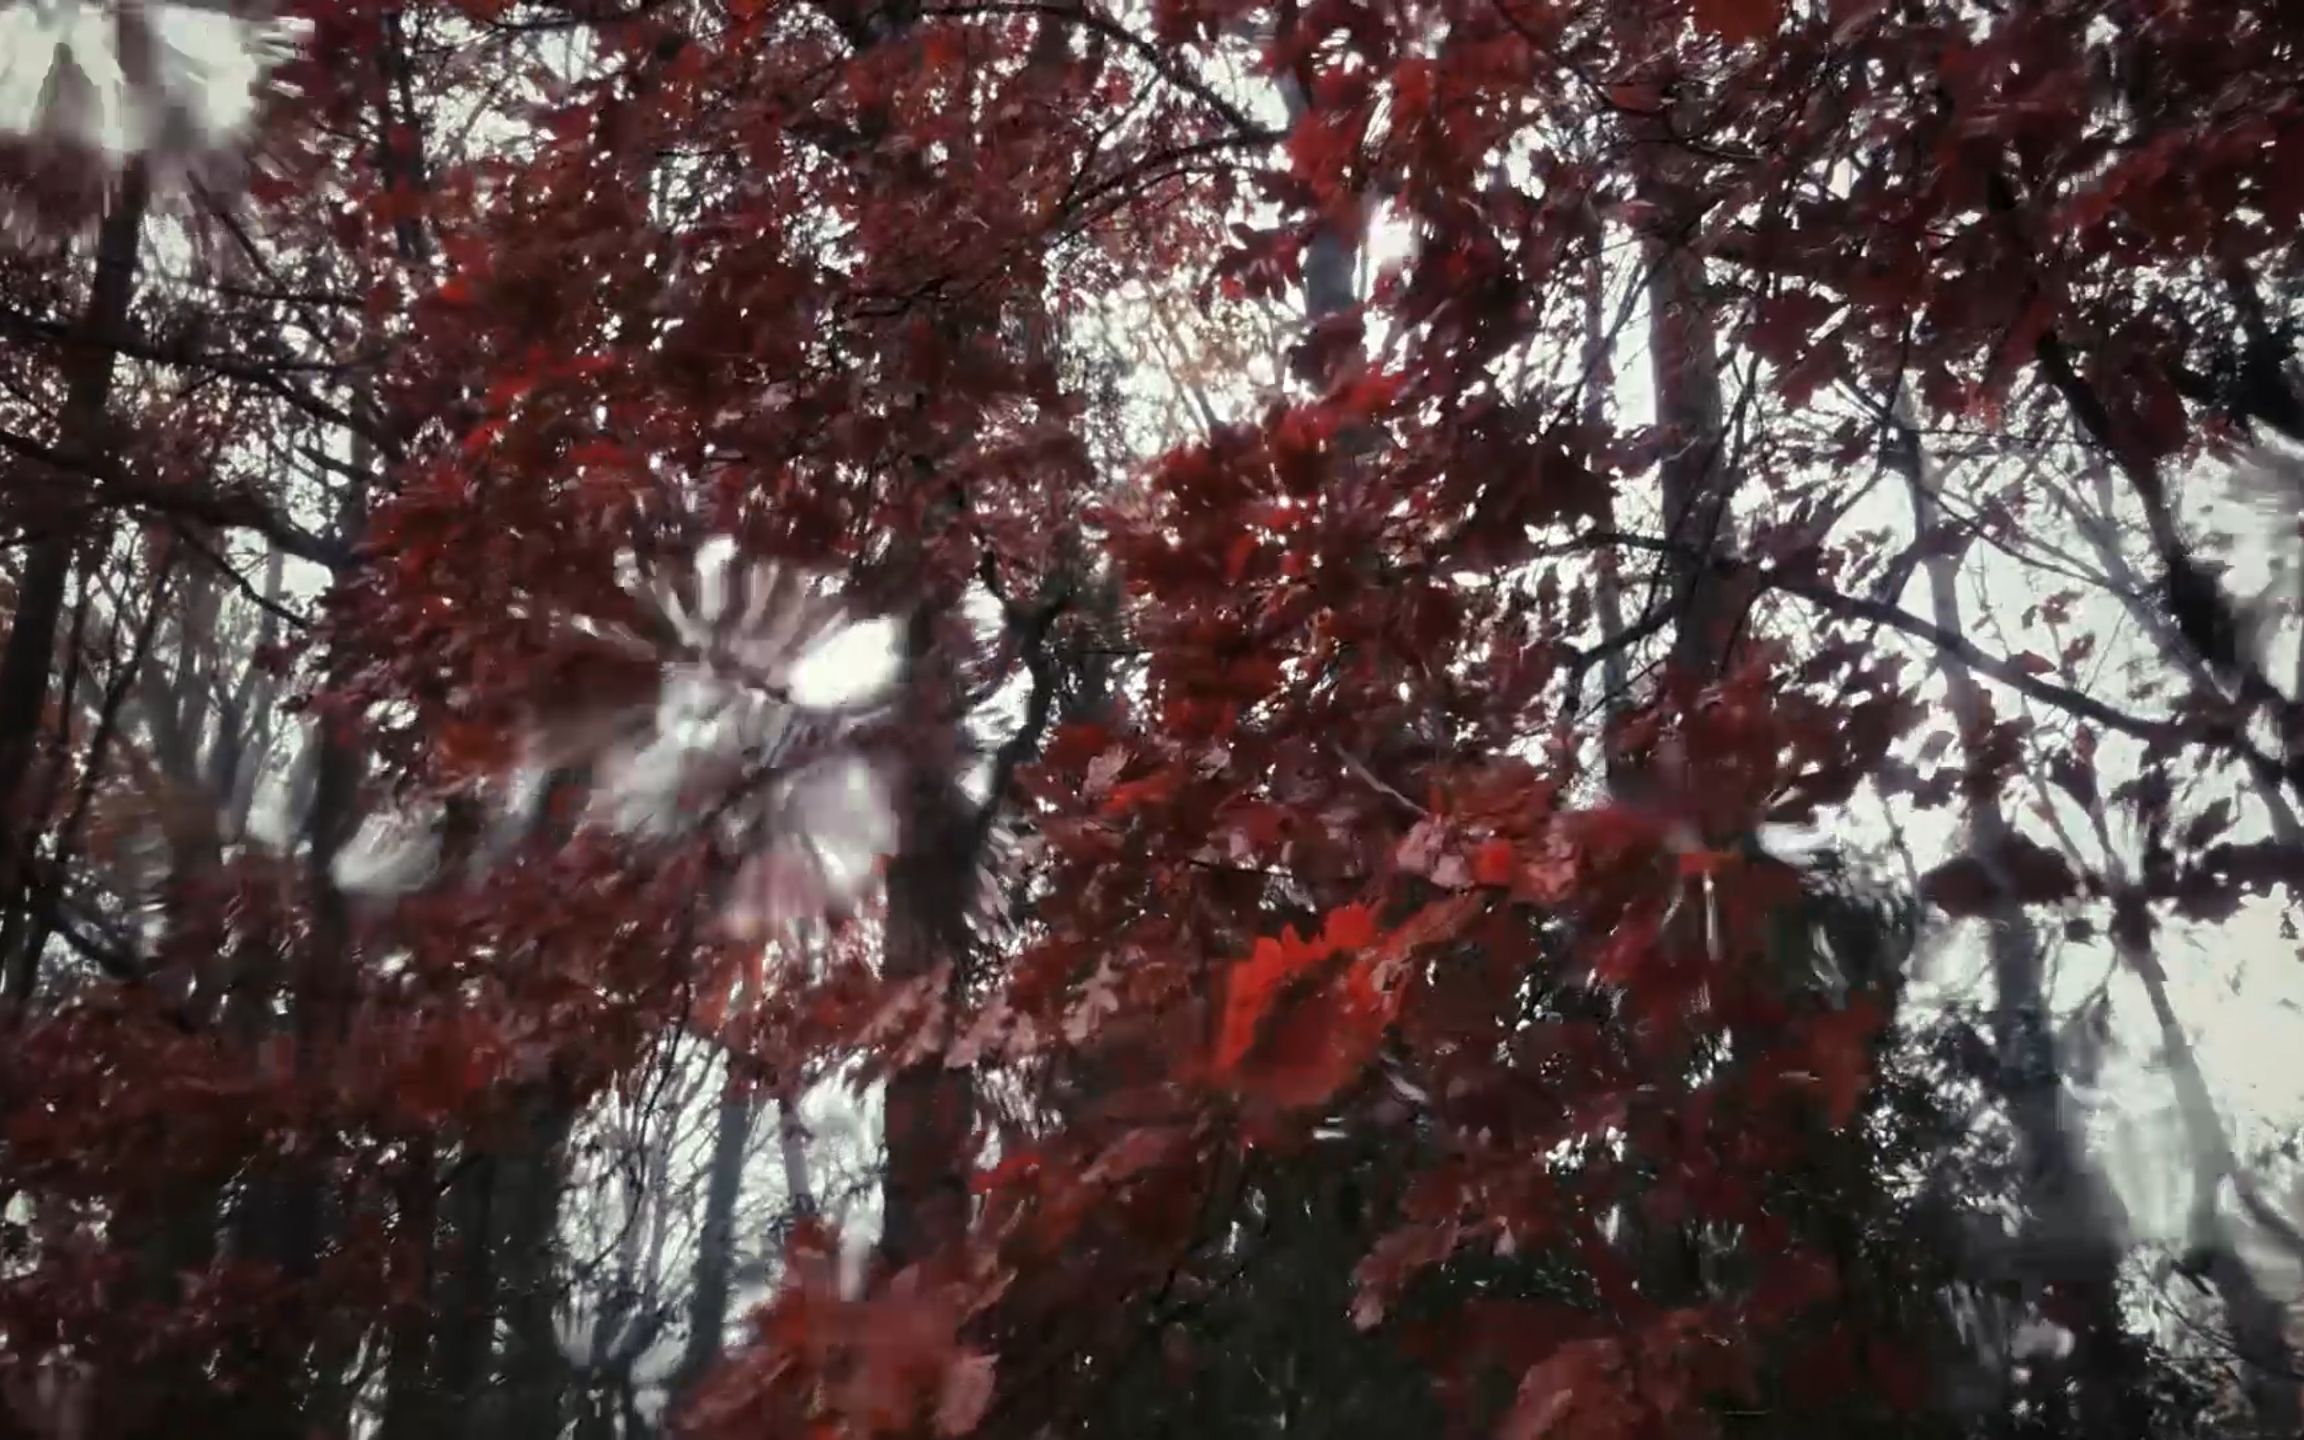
(62,56)
(851,668)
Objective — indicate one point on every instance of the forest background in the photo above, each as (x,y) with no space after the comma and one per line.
(1030,717)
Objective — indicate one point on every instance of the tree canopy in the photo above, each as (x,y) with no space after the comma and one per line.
(1017,718)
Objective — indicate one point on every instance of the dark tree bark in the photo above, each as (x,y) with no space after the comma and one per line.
(175,1238)
(716,1238)
(28,659)
(1697,485)
(407,1364)
(465,1320)
(930,1106)
(1698,482)
(532,1376)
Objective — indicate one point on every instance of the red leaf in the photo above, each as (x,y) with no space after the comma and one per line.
(1786,325)
(1321,355)
(1296,1024)
(966,1394)
(2026,872)
(1960,888)
(1580,1390)
(2209,824)
(1311,1049)
(470,749)
(1152,790)
(2077,775)
(1737,21)
(1437,922)
(2041,876)
(1237,557)
(1016,1169)
(1419,851)
(1495,863)
(1394,1261)
(1132,1154)
(1251,990)
(1104,771)
(1351,927)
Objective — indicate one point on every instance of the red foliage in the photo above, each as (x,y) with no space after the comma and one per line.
(799,278)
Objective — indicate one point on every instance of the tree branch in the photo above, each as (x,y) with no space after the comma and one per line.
(1039,706)
(1879,612)
(264,375)
(233,509)
(2008,673)
(1161,60)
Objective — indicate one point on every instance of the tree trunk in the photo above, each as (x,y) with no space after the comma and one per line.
(1691,415)
(283,1219)
(407,1365)
(624,1326)
(929,1106)
(30,653)
(526,1401)
(2268,1373)
(792,1149)
(716,1239)
(180,1238)
(1696,485)
(1608,580)
(2074,1220)
(465,1321)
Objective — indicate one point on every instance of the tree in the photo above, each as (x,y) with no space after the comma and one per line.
(1290,999)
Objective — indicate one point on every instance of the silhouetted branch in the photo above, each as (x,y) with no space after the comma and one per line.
(236,509)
